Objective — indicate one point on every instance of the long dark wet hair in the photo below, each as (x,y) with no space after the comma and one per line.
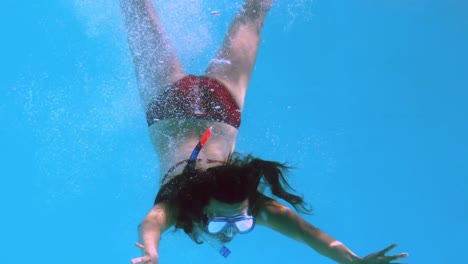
(233,182)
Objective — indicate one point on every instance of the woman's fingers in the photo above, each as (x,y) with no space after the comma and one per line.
(147,258)
(384,251)
(387,249)
(138,245)
(397,256)
(140,260)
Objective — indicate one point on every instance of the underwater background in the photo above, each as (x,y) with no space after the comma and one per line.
(367,99)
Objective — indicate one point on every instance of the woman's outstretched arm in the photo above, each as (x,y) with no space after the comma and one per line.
(155,61)
(159,219)
(279,217)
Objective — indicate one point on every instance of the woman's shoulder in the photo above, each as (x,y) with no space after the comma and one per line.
(164,211)
(267,208)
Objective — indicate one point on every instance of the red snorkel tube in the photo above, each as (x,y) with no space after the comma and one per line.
(196,150)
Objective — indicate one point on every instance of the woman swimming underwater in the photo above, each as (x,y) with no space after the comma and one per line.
(207,189)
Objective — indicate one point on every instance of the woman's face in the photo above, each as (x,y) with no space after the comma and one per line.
(219,209)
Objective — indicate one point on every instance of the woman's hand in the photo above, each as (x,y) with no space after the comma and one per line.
(149,257)
(380,258)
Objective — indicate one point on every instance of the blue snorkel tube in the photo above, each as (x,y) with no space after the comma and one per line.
(213,242)
(198,147)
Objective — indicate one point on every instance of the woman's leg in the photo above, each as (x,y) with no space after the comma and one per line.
(155,61)
(235,61)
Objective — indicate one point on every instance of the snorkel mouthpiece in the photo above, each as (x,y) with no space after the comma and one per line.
(215,244)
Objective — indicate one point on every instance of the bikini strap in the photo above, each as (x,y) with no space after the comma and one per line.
(173,167)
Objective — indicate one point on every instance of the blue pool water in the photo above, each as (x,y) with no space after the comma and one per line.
(368,99)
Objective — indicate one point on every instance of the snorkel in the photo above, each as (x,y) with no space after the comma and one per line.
(198,147)
(198,231)
(213,242)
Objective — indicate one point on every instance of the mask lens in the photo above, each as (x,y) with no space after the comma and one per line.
(214,227)
(245,225)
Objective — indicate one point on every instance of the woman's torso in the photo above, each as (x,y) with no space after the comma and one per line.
(175,139)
